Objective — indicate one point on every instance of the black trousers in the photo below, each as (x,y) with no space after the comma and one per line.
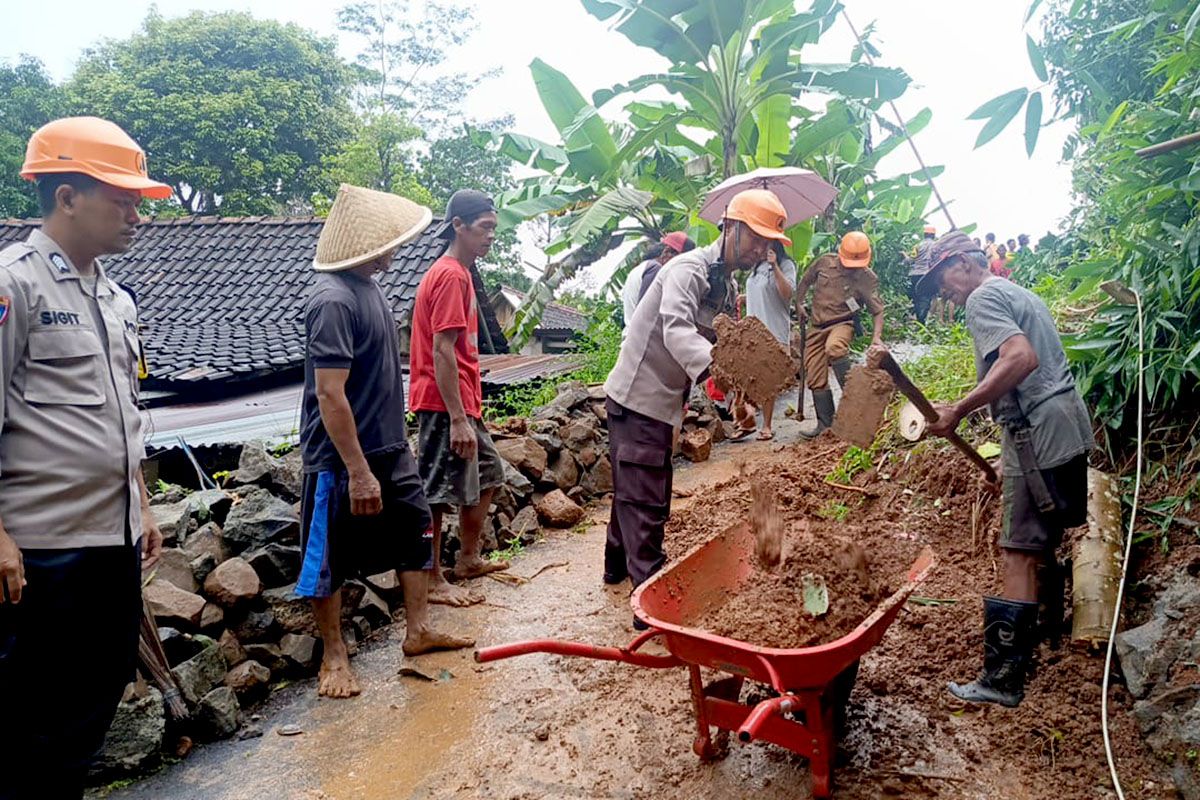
(66,653)
(921,303)
(640,453)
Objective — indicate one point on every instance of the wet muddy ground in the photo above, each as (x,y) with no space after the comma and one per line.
(547,727)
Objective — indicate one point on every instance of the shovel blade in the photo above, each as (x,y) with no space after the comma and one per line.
(865,398)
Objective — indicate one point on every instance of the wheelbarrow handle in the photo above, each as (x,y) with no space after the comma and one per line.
(577,649)
(775,706)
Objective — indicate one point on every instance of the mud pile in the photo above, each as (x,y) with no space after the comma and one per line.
(769,610)
(867,394)
(906,735)
(747,357)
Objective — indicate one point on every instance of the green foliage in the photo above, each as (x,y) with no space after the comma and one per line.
(853,461)
(402,63)
(597,355)
(1128,75)
(734,85)
(834,511)
(947,371)
(235,113)
(28,100)
(377,156)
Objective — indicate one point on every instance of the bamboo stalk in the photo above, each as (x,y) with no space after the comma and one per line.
(1097,563)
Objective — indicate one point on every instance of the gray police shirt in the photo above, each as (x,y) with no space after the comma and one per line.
(349,325)
(1061,427)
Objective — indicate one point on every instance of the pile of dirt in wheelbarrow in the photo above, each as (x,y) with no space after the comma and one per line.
(843,586)
(906,735)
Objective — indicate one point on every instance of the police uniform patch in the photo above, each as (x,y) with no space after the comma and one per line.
(5,305)
(59,262)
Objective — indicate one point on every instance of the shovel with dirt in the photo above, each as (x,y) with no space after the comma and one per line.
(748,358)
(867,395)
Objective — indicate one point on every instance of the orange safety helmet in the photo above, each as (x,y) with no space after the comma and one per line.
(855,250)
(94,147)
(762,211)
(932,231)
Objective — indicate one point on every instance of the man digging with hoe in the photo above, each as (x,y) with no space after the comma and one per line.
(363,508)
(1023,376)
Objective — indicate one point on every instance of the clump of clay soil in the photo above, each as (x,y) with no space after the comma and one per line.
(770,611)
(767,524)
(864,400)
(748,358)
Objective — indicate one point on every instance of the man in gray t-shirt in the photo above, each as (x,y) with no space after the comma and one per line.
(1023,377)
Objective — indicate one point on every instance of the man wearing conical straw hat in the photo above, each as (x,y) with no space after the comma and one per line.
(363,508)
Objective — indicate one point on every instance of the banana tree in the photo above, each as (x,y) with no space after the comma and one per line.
(736,59)
(604,182)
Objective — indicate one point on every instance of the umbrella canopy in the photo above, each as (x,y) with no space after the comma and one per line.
(804,193)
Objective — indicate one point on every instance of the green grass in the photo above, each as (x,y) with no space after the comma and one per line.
(854,461)
(835,511)
(508,553)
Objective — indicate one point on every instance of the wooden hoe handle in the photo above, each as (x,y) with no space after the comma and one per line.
(910,390)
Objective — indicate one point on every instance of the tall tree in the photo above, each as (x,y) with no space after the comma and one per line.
(234,112)
(402,67)
(28,100)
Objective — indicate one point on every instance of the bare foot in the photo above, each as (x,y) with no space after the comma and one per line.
(466,570)
(336,680)
(426,641)
(446,594)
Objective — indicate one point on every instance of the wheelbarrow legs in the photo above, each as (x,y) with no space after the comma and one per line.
(726,689)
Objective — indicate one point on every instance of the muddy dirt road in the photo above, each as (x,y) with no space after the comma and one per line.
(544,727)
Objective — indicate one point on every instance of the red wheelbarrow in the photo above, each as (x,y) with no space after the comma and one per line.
(812,684)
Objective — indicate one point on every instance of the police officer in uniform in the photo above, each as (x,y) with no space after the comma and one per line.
(75,528)
(667,351)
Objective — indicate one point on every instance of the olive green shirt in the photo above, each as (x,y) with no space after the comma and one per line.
(839,292)
(71,443)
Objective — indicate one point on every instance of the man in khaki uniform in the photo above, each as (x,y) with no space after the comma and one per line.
(842,284)
(667,350)
(74,521)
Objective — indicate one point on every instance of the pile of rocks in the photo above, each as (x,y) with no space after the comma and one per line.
(1159,661)
(223,597)
(223,593)
(555,462)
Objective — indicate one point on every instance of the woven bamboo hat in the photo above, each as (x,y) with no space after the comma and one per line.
(363,224)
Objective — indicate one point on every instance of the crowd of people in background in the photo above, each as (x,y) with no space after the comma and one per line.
(1000,258)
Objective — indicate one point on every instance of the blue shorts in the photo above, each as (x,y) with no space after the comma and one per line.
(338,545)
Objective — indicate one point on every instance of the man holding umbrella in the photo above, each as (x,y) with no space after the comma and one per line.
(667,351)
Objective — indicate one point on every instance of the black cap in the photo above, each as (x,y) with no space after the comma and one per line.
(466,204)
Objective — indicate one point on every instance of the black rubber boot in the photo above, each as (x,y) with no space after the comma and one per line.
(1051,602)
(823,403)
(841,368)
(1008,636)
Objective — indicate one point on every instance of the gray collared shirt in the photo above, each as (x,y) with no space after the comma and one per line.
(664,352)
(71,444)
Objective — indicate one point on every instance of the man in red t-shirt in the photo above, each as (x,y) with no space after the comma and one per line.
(457,460)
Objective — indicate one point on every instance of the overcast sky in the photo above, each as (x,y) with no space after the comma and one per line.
(997,187)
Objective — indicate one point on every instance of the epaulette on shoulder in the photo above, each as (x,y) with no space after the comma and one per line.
(14,253)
